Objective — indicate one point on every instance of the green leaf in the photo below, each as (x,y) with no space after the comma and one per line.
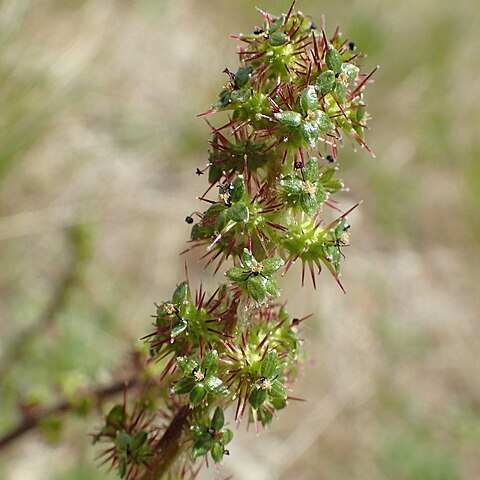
(186,365)
(217,452)
(361,111)
(218,419)
(200,231)
(197,394)
(210,363)
(215,386)
(311,171)
(242,76)
(236,274)
(308,203)
(238,189)
(272,288)
(184,385)
(326,82)
(309,99)
(139,440)
(201,447)
(272,265)
(180,294)
(341,92)
(277,390)
(309,131)
(269,365)
(333,59)
(291,185)
(350,70)
(323,121)
(248,260)
(277,38)
(224,99)
(122,441)
(257,397)
(227,436)
(290,119)
(214,173)
(256,287)
(221,220)
(238,212)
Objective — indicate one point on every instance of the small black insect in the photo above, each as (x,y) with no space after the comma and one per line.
(330,158)
(258,31)
(226,452)
(352,46)
(298,165)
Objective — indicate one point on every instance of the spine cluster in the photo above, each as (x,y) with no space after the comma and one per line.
(272,176)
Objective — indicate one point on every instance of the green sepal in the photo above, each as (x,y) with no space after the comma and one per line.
(269,365)
(139,440)
(277,390)
(200,231)
(341,92)
(202,446)
(272,288)
(238,189)
(291,185)
(122,466)
(240,96)
(218,419)
(122,441)
(320,194)
(272,265)
(278,24)
(215,386)
(248,259)
(290,119)
(361,111)
(210,363)
(333,59)
(221,220)
(217,452)
(326,82)
(309,99)
(277,38)
(227,436)
(350,70)
(311,170)
(197,394)
(199,432)
(236,274)
(179,328)
(224,99)
(238,212)
(214,173)
(323,121)
(184,385)
(308,203)
(309,131)
(257,397)
(180,294)
(256,287)
(186,365)
(116,417)
(278,403)
(242,76)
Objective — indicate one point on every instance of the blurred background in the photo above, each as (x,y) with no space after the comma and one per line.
(98,148)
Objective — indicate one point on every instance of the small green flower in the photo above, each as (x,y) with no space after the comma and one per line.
(256,277)
(211,437)
(199,379)
(305,190)
(267,385)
